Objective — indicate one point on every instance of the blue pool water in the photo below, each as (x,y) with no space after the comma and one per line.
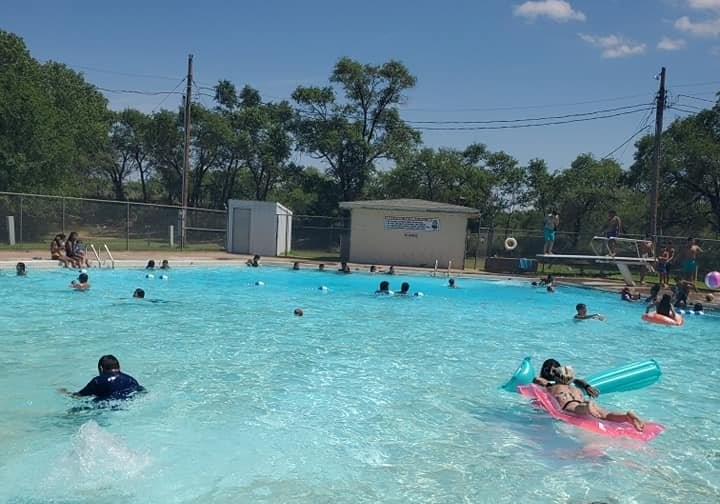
(363,399)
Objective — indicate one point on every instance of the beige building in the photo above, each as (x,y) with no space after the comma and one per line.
(408,232)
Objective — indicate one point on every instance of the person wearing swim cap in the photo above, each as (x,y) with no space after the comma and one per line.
(111,383)
(139,293)
(558,378)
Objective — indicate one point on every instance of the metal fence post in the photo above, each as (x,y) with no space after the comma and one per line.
(127,218)
(21,220)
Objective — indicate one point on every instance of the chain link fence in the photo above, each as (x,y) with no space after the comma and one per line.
(31,221)
(482,243)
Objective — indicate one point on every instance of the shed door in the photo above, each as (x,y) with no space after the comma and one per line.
(241,230)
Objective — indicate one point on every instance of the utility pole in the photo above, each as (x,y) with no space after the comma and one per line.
(654,193)
(186,156)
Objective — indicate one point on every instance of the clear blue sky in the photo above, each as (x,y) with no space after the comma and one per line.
(474,60)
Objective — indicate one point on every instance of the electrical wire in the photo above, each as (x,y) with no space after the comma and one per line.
(174,91)
(533,125)
(696,98)
(525,107)
(565,116)
(645,124)
(679,109)
(126,74)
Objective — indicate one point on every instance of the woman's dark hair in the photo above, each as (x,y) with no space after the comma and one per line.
(139,293)
(83,277)
(384,285)
(547,367)
(665,305)
(405,287)
(150,264)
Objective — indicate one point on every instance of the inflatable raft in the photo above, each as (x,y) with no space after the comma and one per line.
(544,400)
(631,376)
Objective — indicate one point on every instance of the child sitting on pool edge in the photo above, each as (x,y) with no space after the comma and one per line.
(582,313)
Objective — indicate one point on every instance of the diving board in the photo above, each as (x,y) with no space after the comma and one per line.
(622,262)
(595,258)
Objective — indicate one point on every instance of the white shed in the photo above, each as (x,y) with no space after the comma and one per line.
(258,227)
(408,232)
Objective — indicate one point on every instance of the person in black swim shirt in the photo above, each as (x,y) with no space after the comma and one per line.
(111,383)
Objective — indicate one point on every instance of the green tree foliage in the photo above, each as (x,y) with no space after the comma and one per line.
(351,135)
(586,191)
(689,198)
(53,124)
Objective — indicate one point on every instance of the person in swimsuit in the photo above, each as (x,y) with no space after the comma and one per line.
(688,258)
(81,283)
(612,230)
(20,269)
(57,250)
(582,314)
(111,382)
(550,225)
(558,380)
(663,307)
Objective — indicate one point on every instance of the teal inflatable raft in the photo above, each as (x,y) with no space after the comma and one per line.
(632,376)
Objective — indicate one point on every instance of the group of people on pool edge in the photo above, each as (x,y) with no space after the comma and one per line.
(558,380)
(70,251)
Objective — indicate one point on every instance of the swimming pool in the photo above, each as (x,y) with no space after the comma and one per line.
(363,399)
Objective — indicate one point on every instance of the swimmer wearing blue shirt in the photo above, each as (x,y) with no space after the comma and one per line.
(111,383)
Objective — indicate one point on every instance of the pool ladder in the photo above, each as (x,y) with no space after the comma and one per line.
(102,262)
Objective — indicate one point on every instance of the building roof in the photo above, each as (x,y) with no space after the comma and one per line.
(408,204)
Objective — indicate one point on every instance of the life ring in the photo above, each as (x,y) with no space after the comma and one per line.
(656,318)
(510,243)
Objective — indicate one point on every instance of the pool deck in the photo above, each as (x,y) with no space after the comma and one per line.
(39,259)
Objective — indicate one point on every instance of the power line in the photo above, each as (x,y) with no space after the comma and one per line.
(126,74)
(696,98)
(697,84)
(525,107)
(533,125)
(135,91)
(679,109)
(174,91)
(642,128)
(565,116)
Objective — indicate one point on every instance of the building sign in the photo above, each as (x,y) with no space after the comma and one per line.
(411,223)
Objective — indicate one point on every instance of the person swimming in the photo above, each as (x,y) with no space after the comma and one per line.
(384,288)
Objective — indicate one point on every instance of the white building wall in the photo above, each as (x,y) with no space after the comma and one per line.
(407,238)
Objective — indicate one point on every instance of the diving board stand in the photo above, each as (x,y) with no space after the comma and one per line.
(623,263)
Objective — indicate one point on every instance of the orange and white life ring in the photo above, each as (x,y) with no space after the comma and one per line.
(656,318)
(510,243)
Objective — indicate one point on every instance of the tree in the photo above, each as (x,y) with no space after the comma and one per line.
(587,190)
(366,127)
(53,124)
(164,140)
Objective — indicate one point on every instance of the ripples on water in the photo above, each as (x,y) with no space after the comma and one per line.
(363,399)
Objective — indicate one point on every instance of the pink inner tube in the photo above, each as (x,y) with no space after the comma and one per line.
(656,318)
(546,401)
